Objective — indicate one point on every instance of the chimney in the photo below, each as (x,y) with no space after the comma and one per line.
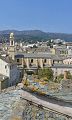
(65,75)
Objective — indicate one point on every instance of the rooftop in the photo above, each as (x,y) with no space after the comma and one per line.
(62,66)
(39,55)
(8,59)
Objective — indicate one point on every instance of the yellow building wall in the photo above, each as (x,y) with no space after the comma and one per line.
(53,51)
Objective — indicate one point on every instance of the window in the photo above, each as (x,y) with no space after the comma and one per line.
(44,60)
(31,60)
(17,60)
(5,66)
(11,42)
(53,62)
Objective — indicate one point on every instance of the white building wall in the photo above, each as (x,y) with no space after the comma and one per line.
(4,68)
(10,71)
(58,71)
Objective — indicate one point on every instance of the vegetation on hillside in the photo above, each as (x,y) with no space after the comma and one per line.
(33,35)
(46,74)
(60,77)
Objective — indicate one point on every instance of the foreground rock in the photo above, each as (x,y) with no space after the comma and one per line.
(12,107)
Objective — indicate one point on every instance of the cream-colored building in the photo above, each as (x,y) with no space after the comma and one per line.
(68,60)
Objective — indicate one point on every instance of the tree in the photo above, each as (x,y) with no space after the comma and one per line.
(69,76)
(46,73)
(59,78)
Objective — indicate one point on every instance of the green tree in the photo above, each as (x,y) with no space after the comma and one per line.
(46,73)
(59,78)
(69,76)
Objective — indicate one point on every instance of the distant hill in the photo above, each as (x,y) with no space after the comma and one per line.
(33,35)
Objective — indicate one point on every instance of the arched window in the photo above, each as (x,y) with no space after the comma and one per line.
(17,60)
(44,60)
(12,42)
(31,60)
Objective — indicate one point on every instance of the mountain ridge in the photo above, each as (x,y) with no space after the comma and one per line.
(35,35)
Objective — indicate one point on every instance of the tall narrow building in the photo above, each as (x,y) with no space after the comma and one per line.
(12,46)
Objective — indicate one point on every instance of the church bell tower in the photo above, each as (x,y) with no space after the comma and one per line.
(12,46)
(11,39)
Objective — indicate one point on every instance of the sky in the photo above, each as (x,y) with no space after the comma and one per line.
(45,15)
